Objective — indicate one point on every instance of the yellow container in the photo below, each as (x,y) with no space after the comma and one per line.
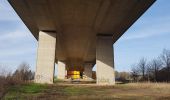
(75,76)
(77,72)
(74,72)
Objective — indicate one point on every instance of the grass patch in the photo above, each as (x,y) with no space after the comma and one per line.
(76,90)
(28,88)
(33,88)
(131,91)
(25,90)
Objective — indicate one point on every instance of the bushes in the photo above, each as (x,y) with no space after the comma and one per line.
(122,76)
(22,75)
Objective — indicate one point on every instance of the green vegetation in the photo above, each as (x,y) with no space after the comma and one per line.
(32,88)
(73,90)
(24,90)
(140,91)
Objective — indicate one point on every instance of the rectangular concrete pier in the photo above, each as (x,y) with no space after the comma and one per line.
(61,70)
(104,61)
(45,57)
(88,70)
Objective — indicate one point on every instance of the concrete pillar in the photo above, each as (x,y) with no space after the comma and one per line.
(61,70)
(104,61)
(45,57)
(88,70)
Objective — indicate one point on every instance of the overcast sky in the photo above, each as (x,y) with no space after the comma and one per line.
(146,38)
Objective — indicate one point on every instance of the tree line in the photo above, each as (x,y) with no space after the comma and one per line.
(156,70)
(21,75)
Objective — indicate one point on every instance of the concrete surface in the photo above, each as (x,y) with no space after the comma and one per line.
(78,23)
(45,57)
(61,70)
(104,61)
(88,71)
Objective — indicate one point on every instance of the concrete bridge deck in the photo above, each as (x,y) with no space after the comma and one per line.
(78,33)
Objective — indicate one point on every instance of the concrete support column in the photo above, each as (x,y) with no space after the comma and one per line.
(88,70)
(104,61)
(45,57)
(61,70)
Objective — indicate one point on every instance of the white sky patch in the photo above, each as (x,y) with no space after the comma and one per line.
(8,16)
(14,35)
(16,52)
(6,12)
(17,43)
(17,46)
(4,5)
(5,69)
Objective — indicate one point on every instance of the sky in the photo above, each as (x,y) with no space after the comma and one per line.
(147,37)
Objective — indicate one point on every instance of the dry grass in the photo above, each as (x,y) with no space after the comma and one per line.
(149,85)
(130,91)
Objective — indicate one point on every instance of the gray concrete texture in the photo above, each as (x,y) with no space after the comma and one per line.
(45,57)
(88,71)
(61,70)
(104,60)
(77,24)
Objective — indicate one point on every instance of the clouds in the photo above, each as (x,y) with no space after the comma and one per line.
(16,42)
(17,47)
(148,28)
(146,38)
(8,15)
(17,34)
(154,22)
(6,12)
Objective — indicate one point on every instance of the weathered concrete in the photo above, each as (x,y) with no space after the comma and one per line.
(61,70)
(104,61)
(45,57)
(88,70)
(77,23)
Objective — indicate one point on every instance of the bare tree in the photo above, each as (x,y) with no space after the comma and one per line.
(4,70)
(157,70)
(165,57)
(134,73)
(153,68)
(142,67)
(23,73)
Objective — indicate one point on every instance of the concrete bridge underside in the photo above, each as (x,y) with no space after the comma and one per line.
(77,34)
